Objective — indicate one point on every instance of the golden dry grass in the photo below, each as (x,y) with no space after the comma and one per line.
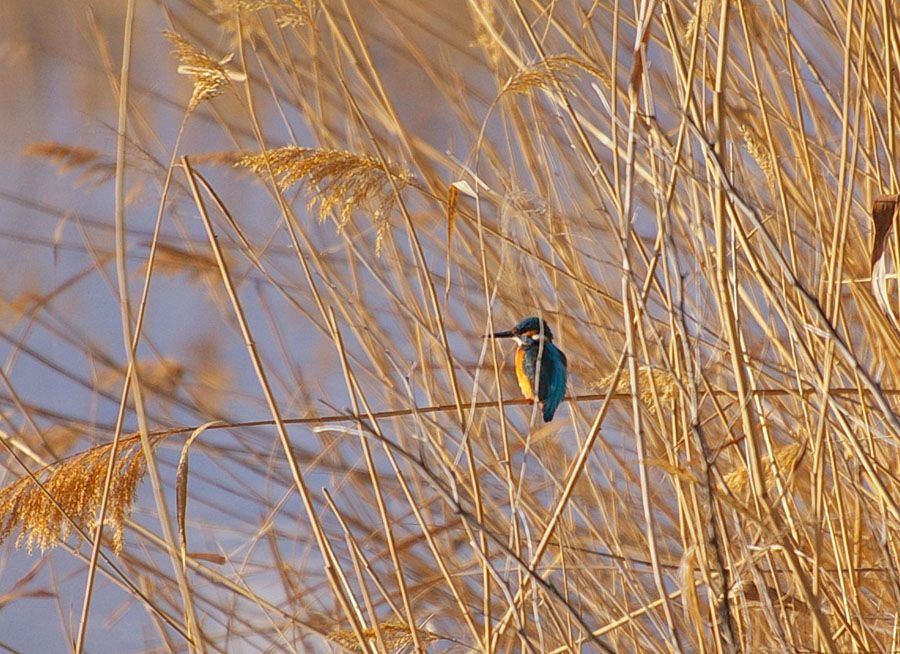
(92,165)
(339,181)
(547,74)
(210,76)
(683,194)
(44,509)
(394,636)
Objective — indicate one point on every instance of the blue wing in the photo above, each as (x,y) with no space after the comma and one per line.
(553,381)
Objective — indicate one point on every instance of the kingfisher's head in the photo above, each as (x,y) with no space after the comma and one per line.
(532,328)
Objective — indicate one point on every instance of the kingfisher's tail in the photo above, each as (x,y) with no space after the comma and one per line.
(549,410)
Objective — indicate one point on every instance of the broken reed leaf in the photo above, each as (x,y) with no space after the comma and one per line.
(638,67)
(452,198)
(77,486)
(884,208)
(210,76)
(637,73)
(453,192)
(208,557)
(181,483)
(181,480)
(462,186)
(395,635)
(335,178)
(94,166)
(549,72)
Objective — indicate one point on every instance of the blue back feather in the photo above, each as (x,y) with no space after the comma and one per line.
(554,380)
(551,388)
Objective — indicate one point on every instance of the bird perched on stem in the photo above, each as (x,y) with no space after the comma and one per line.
(537,357)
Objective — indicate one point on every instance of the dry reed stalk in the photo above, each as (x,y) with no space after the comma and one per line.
(379,497)
(296,474)
(132,382)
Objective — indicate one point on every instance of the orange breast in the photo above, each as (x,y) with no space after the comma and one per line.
(524,382)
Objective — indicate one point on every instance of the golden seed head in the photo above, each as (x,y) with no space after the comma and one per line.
(210,76)
(395,635)
(339,180)
(549,73)
(76,485)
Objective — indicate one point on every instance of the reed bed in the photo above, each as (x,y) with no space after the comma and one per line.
(283,430)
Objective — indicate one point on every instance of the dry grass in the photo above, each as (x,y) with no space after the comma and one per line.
(340,181)
(394,636)
(44,509)
(210,76)
(688,205)
(651,381)
(778,468)
(550,73)
(94,166)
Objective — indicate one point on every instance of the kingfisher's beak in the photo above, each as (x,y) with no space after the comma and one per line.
(509,333)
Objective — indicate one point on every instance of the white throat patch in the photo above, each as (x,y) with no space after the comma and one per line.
(528,339)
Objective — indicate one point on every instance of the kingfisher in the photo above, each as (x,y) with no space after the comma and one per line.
(534,339)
